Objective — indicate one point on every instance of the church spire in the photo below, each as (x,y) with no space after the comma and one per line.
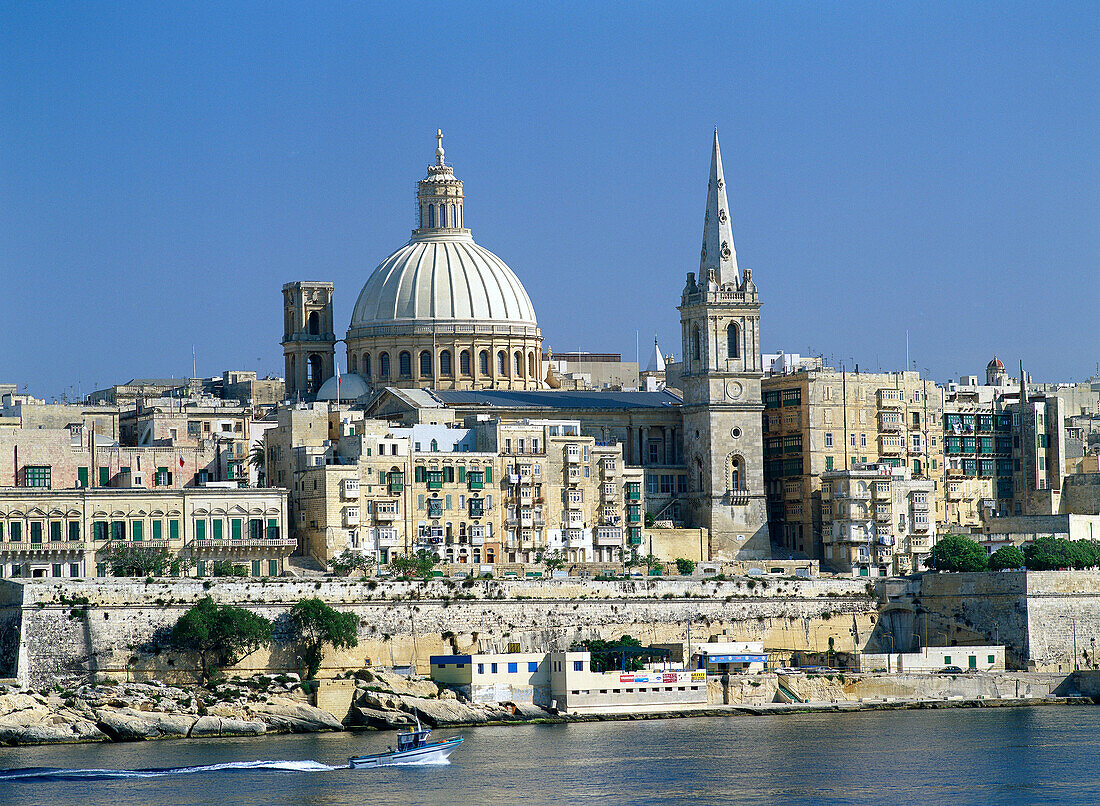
(718,254)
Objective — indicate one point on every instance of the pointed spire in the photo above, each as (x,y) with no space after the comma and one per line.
(656,360)
(439,147)
(718,254)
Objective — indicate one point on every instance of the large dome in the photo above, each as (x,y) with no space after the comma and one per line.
(442,276)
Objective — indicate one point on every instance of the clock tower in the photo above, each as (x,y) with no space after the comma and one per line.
(723,434)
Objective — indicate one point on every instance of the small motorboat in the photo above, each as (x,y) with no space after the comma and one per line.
(413,747)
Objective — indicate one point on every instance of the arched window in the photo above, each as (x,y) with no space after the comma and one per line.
(431,215)
(435,446)
(733,341)
(695,351)
(531,365)
(314,323)
(404,364)
(502,364)
(314,369)
(422,216)
(443,215)
(454,221)
(445,363)
(699,474)
(384,365)
(464,366)
(366,365)
(737,473)
(483,363)
(425,364)
(352,366)
(517,364)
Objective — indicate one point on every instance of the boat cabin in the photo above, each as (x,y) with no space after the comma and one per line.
(412,740)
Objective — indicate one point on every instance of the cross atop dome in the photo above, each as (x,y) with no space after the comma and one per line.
(439,147)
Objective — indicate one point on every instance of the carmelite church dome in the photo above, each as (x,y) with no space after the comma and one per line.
(441,311)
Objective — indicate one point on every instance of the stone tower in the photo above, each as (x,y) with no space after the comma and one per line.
(723,440)
(309,342)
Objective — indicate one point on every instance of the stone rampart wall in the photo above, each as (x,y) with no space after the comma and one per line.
(108,627)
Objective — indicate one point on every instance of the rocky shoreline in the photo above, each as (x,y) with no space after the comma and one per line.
(273,704)
(255,706)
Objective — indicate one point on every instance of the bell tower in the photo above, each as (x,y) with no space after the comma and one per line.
(722,368)
(309,342)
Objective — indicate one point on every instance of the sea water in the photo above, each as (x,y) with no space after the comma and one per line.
(952,756)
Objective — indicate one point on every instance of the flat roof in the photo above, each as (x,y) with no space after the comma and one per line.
(558,400)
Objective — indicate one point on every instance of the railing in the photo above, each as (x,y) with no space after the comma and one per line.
(47,547)
(243,543)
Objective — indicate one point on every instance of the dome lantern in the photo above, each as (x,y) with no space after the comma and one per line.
(439,198)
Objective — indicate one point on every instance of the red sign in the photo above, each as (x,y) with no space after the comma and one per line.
(626,678)
(669,678)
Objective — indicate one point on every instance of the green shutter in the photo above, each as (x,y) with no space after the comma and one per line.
(235,528)
(461,473)
(488,473)
(420,501)
(137,529)
(202,566)
(420,474)
(82,477)
(273,568)
(217,528)
(273,530)
(256,568)
(173,529)
(448,502)
(200,529)
(104,476)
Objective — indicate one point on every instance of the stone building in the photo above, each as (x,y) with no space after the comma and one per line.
(877,520)
(489,493)
(816,421)
(64,532)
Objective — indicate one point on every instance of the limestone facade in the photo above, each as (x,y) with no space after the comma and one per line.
(61,533)
(877,520)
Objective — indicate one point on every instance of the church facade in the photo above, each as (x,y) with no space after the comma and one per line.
(446,316)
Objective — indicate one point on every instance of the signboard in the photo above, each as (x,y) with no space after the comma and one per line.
(626,678)
(698,677)
(737,658)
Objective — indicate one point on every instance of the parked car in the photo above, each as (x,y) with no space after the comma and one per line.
(950,670)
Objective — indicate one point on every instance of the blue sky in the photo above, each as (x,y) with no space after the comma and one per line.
(934,166)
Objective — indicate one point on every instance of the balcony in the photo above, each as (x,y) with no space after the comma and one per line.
(890,398)
(477,541)
(882,514)
(574,519)
(890,446)
(223,545)
(475,481)
(385,512)
(633,493)
(396,482)
(573,456)
(349,489)
(48,547)
(891,425)
(351,517)
(386,537)
(609,537)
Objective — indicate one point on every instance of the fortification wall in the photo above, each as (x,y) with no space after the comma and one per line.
(109,627)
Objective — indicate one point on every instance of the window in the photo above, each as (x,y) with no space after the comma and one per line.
(431,215)
(445,362)
(99,530)
(464,366)
(365,366)
(733,341)
(137,530)
(118,530)
(36,531)
(483,362)
(493,668)
(853,440)
(217,527)
(404,364)
(384,365)
(425,364)
(915,441)
(36,476)
(200,529)
(513,668)
(235,528)
(55,531)
(578,666)
(863,440)
(695,351)
(480,667)
(828,439)
(533,665)
(74,532)
(502,364)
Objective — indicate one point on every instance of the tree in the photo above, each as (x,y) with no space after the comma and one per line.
(220,635)
(226,568)
(315,624)
(126,559)
(684,566)
(1053,553)
(651,562)
(348,561)
(552,559)
(957,553)
(420,564)
(624,654)
(1006,558)
(257,457)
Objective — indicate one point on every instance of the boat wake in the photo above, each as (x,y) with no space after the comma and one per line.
(55,774)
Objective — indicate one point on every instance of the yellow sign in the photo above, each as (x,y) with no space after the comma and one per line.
(697,677)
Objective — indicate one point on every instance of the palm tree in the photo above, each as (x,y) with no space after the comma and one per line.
(257,457)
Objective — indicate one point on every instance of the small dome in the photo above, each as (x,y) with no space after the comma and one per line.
(352,387)
(995,364)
